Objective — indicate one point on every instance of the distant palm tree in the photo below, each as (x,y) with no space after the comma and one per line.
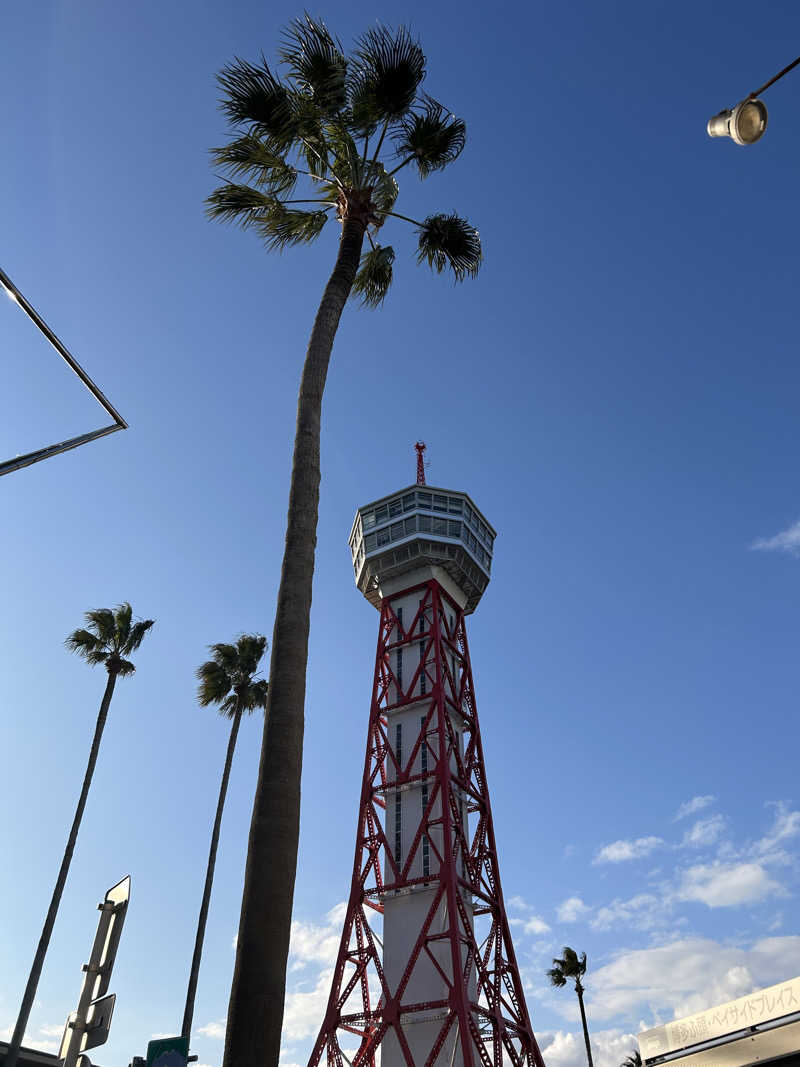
(572,966)
(228,680)
(110,636)
(342,126)
(633,1060)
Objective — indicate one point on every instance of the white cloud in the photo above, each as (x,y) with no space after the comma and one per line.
(620,851)
(690,807)
(304,1011)
(48,1046)
(705,832)
(786,825)
(313,943)
(536,925)
(38,1037)
(571,910)
(689,975)
(518,903)
(643,911)
(215,1030)
(787,540)
(52,1030)
(726,885)
(563,1049)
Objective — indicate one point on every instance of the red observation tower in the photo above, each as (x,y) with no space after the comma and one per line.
(426,974)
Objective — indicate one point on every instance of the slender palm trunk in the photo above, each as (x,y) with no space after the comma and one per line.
(44,940)
(579,991)
(186,1029)
(255,1011)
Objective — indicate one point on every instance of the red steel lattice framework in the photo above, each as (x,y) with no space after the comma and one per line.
(480,1019)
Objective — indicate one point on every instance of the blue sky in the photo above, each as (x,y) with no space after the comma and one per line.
(618,391)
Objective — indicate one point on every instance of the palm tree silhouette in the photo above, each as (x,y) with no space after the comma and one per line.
(570,965)
(324,122)
(227,680)
(109,637)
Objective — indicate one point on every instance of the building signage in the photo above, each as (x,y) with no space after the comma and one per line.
(753,1010)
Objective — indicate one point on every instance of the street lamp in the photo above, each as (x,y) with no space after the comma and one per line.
(745,123)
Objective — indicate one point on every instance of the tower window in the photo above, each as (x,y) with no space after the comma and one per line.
(426,852)
(398,826)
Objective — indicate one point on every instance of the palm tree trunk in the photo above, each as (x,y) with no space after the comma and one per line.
(579,991)
(44,940)
(255,1011)
(186,1029)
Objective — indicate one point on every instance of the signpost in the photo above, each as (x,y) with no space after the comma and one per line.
(88,1026)
(168,1052)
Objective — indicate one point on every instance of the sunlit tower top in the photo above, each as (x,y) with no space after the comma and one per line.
(439,531)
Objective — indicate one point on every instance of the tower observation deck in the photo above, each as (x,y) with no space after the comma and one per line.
(426,974)
(422,526)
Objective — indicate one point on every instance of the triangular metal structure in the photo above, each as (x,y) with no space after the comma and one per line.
(441,986)
(73,442)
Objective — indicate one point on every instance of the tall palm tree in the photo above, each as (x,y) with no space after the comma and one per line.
(572,966)
(227,680)
(342,126)
(109,637)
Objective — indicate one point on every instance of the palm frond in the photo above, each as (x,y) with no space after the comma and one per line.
(87,645)
(448,240)
(237,203)
(346,162)
(215,683)
(281,227)
(249,649)
(122,623)
(102,620)
(374,276)
(556,976)
(125,668)
(137,634)
(384,190)
(227,678)
(255,696)
(250,155)
(255,96)
(316,62)
(228,706)
(432,137)
(310,133)
(388,69)
(227,657)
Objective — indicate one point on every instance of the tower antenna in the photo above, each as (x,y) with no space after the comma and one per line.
(420,446)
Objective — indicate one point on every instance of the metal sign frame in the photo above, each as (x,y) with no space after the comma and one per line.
(88,1025)
(73,442)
